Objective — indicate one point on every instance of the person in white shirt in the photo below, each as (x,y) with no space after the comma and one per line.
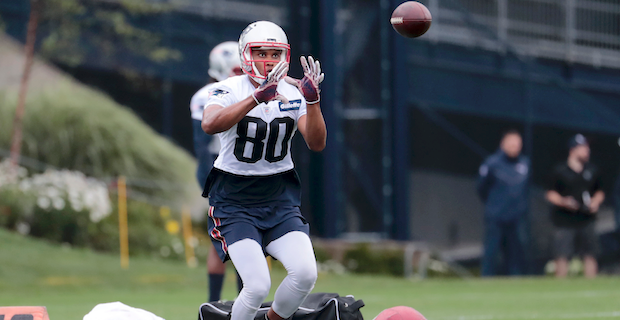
(253,189)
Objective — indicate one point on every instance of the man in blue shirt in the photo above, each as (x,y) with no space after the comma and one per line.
(616,200)
(503,186)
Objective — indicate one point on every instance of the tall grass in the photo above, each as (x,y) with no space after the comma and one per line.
(81,129)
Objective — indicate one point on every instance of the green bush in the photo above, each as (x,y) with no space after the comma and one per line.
(147,232)
(321,254)
(68,207)
(14,204)
(76,128)
(62,226)
(81,129)
(362,259)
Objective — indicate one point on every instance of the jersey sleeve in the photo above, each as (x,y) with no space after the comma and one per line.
(220,95)
(302,109)
(484,179)
(196,105)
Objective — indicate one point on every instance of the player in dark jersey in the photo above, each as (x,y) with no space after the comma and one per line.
(576,195)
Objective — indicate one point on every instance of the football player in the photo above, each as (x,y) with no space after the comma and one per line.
(223,63)
(253,189)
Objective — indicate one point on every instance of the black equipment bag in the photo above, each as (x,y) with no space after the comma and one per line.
(317,306)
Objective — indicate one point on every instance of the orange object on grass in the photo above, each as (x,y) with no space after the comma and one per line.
(34,313)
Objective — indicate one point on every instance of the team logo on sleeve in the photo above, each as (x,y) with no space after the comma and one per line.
(291,105)
(218,93)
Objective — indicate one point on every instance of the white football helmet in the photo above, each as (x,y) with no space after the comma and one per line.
(264,35)
(224,61)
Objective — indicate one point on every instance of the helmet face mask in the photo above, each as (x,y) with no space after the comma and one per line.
(254,62)
(261,35)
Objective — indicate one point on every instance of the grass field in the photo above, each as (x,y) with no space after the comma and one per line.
(70,282)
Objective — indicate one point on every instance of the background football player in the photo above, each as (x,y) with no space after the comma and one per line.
(223,63)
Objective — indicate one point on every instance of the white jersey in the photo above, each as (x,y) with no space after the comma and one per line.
(199,99)
(260,144)
(197,106)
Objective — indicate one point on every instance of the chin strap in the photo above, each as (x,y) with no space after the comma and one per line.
(258,80)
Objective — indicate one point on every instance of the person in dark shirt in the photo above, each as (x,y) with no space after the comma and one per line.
(576,195)
(616,202)
(503,186)
(616,198)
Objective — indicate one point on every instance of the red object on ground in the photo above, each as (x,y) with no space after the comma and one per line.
(400,313)
(37,313)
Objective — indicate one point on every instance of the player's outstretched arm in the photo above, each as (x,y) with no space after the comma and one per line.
(309,85)
(311,125)
(216,118)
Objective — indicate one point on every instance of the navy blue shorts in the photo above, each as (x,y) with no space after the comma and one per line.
(229,224)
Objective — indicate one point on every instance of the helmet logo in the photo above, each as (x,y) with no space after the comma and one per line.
(247,29)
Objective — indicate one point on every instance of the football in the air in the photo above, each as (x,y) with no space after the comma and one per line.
(400,313)
(411,19)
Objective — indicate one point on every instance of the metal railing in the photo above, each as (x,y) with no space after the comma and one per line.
(240,10)
(579,31)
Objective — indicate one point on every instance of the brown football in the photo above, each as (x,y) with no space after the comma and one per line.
(411,19)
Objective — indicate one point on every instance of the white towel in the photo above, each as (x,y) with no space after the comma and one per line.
(119,311)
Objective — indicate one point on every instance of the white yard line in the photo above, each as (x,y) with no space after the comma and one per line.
(516,295)
(611,314)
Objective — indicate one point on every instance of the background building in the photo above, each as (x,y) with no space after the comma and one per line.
(410,119)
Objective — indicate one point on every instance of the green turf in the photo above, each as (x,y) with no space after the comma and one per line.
(70,282)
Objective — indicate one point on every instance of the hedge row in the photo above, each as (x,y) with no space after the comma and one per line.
(81,129)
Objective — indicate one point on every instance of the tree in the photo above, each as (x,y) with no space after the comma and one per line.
(74,29)
(16,140)
(77,28)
